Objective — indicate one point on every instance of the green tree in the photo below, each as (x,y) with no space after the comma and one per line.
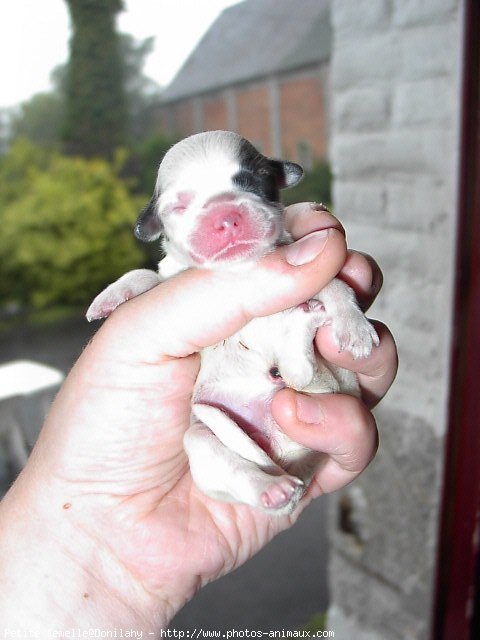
(142,163)
(5,119)
(39,120)
(142,93)
(66,227)
(95,111)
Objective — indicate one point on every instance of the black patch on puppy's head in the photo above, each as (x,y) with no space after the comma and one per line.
(264,176)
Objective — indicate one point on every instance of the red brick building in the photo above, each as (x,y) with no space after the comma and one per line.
(260,70)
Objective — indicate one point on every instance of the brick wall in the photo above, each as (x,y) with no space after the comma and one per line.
(281,114)
(253,115)
(395,125)
(302,113)
(215,115)
(184,118)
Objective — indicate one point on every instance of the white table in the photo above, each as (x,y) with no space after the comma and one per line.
(27,389)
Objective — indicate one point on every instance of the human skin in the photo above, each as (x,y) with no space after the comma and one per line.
(104,528)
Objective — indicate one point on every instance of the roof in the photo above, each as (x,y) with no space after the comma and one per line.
(253,39)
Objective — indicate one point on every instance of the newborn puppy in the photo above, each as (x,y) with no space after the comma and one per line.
(237,452)
(216,205)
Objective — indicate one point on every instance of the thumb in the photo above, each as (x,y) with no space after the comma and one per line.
(199,307)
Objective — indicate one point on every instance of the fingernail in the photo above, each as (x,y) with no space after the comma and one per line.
(319,206)
(309,410)
(306,249)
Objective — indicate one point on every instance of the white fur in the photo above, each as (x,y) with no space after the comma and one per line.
(234,384)
(236,450)
(130,285)
(203,165)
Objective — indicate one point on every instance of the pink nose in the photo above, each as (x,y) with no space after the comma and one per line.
(225,229)
(227,224)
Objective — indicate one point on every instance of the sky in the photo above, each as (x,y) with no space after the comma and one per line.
(34,37)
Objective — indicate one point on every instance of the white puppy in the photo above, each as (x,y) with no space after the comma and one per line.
(236,450)
(216,204)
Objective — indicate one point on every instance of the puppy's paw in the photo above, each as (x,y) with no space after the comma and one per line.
(106,302)
(355,334)
(128,286)
(282,494)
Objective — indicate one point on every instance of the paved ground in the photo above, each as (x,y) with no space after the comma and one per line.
(281,588)
(58,345)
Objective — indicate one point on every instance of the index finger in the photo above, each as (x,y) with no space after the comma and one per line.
(200,307)
(360,271)
(303,218)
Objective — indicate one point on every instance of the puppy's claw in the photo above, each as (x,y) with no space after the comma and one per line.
(282,494)
(102,307)
(130,285)
(357,336)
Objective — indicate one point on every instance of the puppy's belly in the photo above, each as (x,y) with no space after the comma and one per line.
(255,418)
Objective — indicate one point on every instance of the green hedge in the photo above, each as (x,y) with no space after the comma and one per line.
(66,227)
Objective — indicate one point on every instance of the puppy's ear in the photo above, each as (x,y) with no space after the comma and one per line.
(148,226)
(288,174)
(292,172)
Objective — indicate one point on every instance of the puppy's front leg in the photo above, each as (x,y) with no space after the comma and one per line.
(223,474)
(130,285)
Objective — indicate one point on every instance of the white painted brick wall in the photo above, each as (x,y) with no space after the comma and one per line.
(423,103)
(395,81)
(360,15)
(423,12)
(363,110)
(428,51)
(364,62)
(405,151)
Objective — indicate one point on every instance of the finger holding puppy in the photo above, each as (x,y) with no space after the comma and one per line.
(340,427)
(303,218)
(362,273)
(224,301)
(376,373)
(251,265)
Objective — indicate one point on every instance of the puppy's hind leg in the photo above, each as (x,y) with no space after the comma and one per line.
(223,474)
(130,285)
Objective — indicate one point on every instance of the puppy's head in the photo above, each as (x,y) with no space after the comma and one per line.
(216,200)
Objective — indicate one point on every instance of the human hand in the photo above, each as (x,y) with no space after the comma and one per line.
(108,480)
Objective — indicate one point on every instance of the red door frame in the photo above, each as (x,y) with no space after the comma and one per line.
(456,612)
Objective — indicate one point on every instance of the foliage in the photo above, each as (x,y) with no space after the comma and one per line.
(317,623)
(39,120)
(142,93)
(315,186)
(5,119)
(144,159)
(95,108)
(66,227)
(17,169)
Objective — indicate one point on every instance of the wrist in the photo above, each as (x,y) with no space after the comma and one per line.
(57,574)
